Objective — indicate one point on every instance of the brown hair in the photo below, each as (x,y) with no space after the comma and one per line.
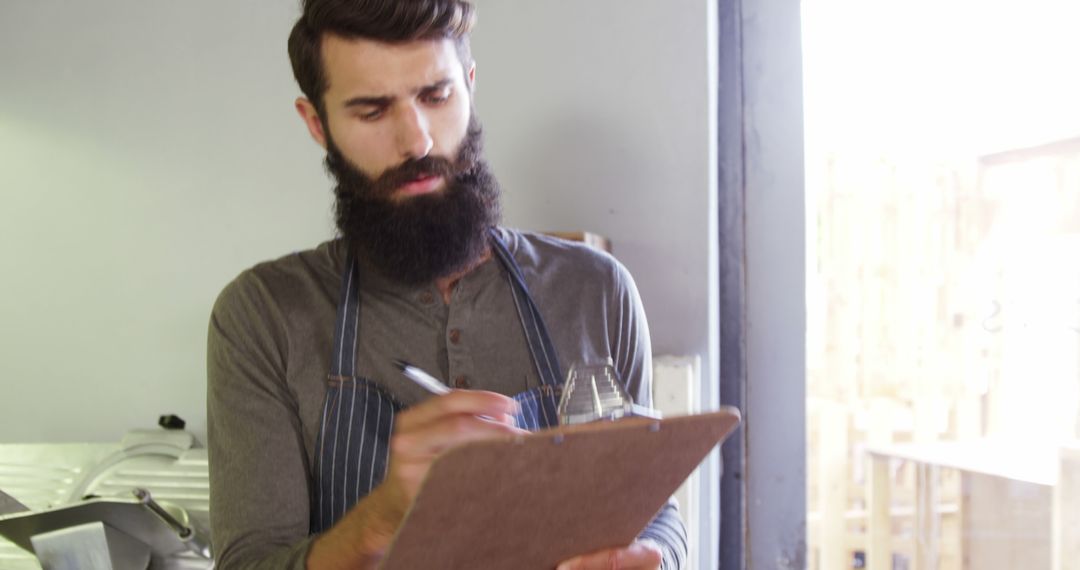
(391,21)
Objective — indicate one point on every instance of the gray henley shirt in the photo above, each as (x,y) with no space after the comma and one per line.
(270,345)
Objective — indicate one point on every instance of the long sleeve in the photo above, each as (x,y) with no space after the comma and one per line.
(258,475)
(632,350)
(668,531)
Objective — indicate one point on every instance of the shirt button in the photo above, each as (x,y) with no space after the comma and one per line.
(461,382)
(427,298)
(455,336)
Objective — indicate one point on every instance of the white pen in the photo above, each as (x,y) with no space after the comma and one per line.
(431,383)
(423,379)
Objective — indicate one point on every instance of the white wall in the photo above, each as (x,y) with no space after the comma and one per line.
(149,152)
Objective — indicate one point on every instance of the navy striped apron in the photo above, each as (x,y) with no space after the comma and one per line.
(358,417)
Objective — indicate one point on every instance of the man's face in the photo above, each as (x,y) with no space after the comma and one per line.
(413,193)
(387,104)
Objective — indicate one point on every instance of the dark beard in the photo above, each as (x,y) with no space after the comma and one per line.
(424,237)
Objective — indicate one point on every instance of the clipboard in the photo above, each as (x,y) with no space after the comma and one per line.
(530,502)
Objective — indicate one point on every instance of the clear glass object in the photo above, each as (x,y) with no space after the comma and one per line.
(594,392)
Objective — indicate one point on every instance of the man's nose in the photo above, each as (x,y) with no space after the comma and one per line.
(413,134)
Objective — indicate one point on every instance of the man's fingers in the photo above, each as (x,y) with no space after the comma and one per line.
(637,556)
(424,431)
(432,438)
(458,402)
(507,419)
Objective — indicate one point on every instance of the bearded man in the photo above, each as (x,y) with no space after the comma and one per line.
(317,444)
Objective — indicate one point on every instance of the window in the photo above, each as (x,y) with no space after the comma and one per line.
(943,283)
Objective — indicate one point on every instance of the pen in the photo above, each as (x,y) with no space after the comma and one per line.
(423,379)
(429,382)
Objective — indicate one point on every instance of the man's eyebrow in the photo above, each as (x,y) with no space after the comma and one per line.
(386,100)
(435,86)
(379,101)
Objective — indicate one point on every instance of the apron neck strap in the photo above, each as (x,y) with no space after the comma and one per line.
(536,333)
(347,323)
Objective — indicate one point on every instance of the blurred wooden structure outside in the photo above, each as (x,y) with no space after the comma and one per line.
(596,241)
(935,304)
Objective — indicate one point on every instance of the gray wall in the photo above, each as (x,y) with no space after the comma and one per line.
(597,116)
(775,285)
(149,152)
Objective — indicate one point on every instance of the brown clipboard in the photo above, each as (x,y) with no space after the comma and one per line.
(532,501)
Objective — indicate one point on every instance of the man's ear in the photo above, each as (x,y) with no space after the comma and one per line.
(311,119)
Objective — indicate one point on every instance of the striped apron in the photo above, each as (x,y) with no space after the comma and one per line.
(358,417)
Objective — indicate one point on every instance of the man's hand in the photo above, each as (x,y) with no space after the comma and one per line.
(426,430)
(421,433)
(641,555)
